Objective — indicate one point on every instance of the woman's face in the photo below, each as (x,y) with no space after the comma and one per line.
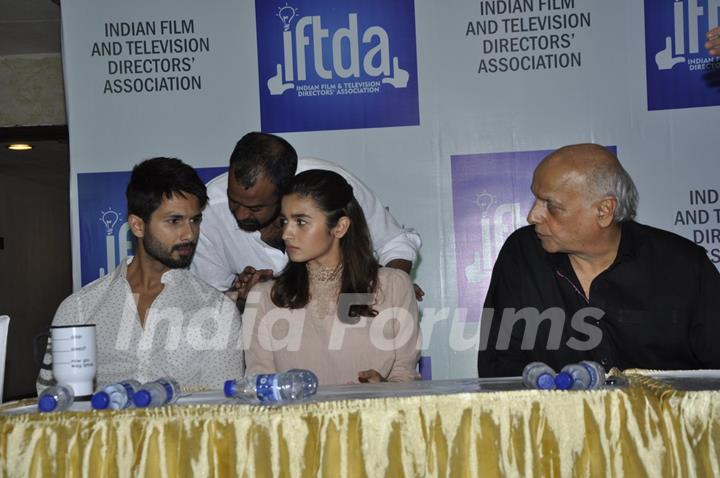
(305,232)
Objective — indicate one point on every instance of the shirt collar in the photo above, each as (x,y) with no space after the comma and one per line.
(628,241)
(168,277)
(627,249)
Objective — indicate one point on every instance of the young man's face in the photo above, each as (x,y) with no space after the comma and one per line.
(254,207)
(171,234)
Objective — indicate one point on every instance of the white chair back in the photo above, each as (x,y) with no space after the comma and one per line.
(4,323)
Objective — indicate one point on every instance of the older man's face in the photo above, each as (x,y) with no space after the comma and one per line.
(254,207)
(564,220)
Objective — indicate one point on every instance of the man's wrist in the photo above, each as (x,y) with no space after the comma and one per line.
(402,264)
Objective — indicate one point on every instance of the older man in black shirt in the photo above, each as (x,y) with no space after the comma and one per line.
(586,282)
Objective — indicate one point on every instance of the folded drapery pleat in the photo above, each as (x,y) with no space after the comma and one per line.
(647,429)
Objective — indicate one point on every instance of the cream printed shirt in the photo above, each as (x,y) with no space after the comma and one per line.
(191,331)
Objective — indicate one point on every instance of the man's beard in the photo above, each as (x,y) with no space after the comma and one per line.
(252,225)
(154,249)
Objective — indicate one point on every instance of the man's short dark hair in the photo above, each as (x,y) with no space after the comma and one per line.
(262,154)
(156,178)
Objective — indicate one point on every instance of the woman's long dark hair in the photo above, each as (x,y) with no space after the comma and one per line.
(334,196)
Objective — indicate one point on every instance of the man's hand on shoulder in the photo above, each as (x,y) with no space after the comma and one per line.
(246,280)
(406,266)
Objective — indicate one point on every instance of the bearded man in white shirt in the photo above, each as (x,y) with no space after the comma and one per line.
(240,242)
(152,316)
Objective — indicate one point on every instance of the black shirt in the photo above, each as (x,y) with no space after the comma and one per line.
(659,304)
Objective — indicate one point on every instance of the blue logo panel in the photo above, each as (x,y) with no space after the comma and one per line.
(328,65)
(680,73)
(105,238)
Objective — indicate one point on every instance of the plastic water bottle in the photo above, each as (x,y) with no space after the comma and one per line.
(309,381)
(56,399)
(116,395)
(539,375)
(573,377)
(162,391)
(275,387)
(597,373)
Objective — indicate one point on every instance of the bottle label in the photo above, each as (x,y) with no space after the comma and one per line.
(168,390)
(129,391)
(594,378)
(266,387)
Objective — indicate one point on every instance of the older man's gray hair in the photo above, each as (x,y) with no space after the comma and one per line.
(611,179)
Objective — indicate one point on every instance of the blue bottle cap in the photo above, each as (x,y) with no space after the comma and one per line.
(47,403)
(564,381)
(546,382)
(142,398)
(100,401)
(229,388)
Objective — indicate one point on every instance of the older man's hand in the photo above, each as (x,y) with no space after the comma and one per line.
(246,280)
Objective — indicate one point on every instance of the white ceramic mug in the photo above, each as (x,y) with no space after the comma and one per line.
(73,357)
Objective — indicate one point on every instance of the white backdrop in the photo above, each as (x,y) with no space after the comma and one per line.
(464,109)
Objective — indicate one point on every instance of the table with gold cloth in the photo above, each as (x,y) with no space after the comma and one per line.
(448,428)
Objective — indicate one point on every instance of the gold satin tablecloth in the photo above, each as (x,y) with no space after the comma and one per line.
(646,429)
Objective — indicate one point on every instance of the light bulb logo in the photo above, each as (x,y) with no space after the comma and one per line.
(109,218)
(286,14)
(484,200)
